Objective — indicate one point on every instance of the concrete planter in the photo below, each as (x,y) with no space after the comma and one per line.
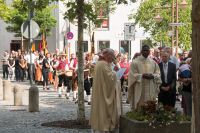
(133,126)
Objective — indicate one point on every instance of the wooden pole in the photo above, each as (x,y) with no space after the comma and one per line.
(172,41)
(177,28)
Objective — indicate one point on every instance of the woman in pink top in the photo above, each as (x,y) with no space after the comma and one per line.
(124,64)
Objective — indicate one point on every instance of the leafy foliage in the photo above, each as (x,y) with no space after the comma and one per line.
(18,13)
(4,11)
(156,115)
(16,17)
(45,19)
(159,31)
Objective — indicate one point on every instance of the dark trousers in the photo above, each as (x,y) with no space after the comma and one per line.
(91,81)
(5,71)
(45,74)
(87,86)
(17,73)
(29,71)
(167,98)
(22,73)
(66,80)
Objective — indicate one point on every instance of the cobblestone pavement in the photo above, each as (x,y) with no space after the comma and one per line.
(17,119)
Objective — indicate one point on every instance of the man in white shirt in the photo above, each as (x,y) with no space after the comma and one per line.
(31,65)
(167,94)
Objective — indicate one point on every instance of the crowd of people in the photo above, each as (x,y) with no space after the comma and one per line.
(150,74)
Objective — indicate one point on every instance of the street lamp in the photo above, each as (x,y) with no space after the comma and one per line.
(158,18)
(183,4)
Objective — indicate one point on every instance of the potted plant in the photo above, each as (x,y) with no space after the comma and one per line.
(154,118)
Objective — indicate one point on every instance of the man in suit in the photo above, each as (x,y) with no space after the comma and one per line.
(167,95)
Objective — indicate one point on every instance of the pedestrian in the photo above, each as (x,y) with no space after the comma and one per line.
(23,67)
(11,64)
(73,65)
(45,71)
(185,77)
(143,79)
(17,67)
(167,95)
(54,64)
(105,98)
(30,59)
(4,60)
(38,69)
(62,72)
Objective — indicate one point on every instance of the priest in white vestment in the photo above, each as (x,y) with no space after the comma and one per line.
(143,80)
(105,103)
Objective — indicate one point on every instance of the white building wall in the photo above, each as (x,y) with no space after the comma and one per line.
(114,34)
(116,30)
(56,40)
(5,37)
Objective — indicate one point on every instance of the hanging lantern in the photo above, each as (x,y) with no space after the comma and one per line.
(158,18)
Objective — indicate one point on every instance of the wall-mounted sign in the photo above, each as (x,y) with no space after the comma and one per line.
(129,31)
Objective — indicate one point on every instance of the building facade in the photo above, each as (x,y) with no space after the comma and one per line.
(112,33)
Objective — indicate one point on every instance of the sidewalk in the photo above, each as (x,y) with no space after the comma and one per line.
(17,119)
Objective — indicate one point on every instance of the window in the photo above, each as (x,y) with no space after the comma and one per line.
(85,46)
(102,10)
(125,48)
(103,45)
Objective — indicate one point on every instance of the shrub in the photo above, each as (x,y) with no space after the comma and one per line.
(156,114)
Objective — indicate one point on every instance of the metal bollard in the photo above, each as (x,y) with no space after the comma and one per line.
(18,96)
(33,99)
(7,90)
(1,89)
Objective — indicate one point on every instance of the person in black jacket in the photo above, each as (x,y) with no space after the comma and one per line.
(167,95)
(45,71)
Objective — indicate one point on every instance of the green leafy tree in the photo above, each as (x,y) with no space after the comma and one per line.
(4,11)
(159,30)
(45,19)
(18,13)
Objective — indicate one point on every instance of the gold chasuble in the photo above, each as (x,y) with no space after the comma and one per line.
(105,107)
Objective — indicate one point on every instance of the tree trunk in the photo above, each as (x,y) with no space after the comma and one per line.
(196,65)
(92,44)
(81,105)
